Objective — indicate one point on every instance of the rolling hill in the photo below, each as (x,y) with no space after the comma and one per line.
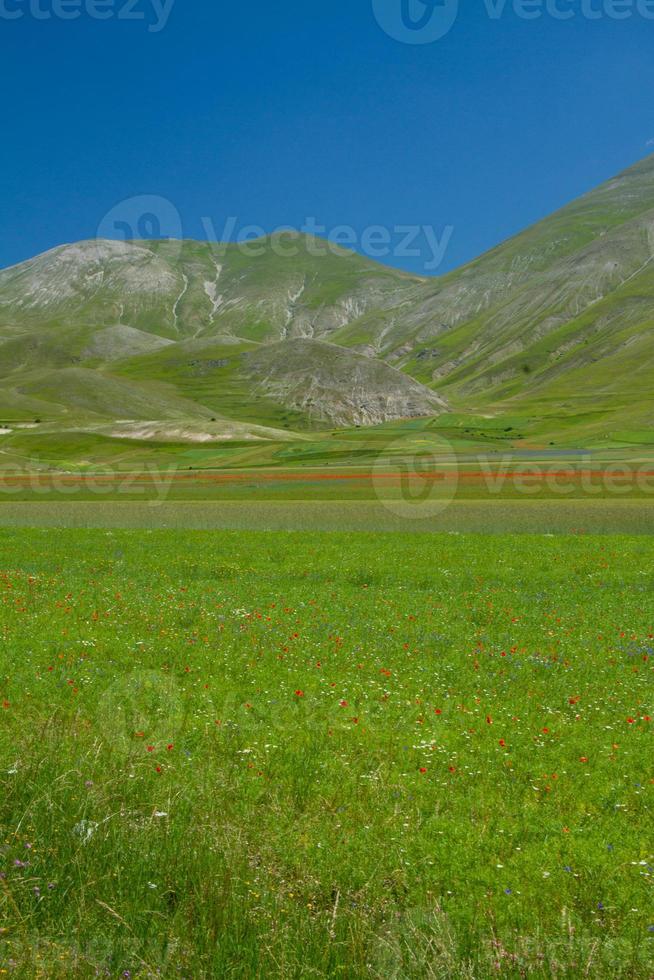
(551,332)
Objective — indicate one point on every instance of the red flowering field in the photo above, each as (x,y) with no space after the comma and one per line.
(249,754)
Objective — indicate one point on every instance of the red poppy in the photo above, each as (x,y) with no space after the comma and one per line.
(299,694)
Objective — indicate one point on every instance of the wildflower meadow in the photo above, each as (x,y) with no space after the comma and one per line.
(247,754)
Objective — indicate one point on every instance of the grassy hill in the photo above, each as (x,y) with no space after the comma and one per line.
(550,332)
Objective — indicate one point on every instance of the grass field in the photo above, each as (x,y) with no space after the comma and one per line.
(246,754)
(498,517)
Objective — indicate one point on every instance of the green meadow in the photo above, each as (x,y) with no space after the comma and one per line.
(326,588)
(282,754)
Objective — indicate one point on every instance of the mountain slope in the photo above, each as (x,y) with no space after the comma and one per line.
(508,322)
(331,384)
(107,306)
(553,327)
(280,287)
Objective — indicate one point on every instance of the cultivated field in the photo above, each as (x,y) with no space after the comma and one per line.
(247,754)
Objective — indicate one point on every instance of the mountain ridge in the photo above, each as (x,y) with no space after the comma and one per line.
(326,337)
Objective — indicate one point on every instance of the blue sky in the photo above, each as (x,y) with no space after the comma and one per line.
(271,113)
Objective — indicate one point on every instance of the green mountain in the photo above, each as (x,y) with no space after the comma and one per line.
(556,321)
(185,342)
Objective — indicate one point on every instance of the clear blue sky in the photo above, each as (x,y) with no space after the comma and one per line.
(273,112)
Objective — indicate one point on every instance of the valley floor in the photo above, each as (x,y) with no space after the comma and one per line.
(548,516)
